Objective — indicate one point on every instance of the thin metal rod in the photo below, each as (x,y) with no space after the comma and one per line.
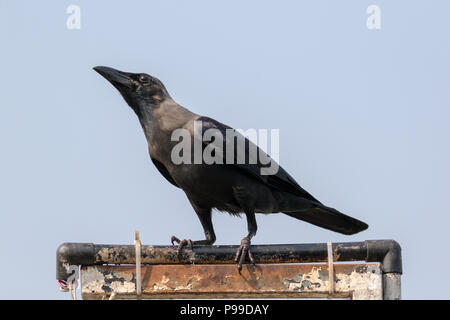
(330,268)
(137,245)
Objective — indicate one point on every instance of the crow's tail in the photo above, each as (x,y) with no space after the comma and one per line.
(330,219)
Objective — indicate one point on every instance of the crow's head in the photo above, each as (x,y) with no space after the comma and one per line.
(140,90)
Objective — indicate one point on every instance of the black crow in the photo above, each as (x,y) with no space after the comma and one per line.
(234,184)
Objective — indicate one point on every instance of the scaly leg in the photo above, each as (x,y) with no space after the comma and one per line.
(244,248)
(204,215)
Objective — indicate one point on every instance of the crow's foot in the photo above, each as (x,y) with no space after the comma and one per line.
(181,244)
(242,252)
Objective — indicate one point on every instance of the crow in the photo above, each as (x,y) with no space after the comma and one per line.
(235,182)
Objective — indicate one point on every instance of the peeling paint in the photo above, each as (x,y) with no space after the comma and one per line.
(215,281)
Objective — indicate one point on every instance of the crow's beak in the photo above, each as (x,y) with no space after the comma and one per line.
(114,76)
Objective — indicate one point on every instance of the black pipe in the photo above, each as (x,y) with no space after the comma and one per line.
(387,252)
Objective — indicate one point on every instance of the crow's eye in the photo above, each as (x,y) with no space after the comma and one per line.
(144,78)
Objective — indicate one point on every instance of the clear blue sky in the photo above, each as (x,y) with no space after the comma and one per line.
(363,118)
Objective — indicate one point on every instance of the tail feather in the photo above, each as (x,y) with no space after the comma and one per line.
(330,219)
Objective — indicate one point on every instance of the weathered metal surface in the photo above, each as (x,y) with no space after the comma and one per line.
(356,281)
(387,252)
(286,253)
(392,286)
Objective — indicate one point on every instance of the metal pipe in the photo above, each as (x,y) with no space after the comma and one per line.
(387,252)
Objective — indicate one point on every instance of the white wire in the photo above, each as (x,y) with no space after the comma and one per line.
(73,289)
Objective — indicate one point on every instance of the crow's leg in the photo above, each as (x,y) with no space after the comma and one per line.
(244,248)
(204,215)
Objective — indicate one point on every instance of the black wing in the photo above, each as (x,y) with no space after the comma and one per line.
(281,180)
(162,169)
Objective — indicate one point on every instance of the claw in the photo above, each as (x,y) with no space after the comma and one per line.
(174,239)
(242,252)
(181,244)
